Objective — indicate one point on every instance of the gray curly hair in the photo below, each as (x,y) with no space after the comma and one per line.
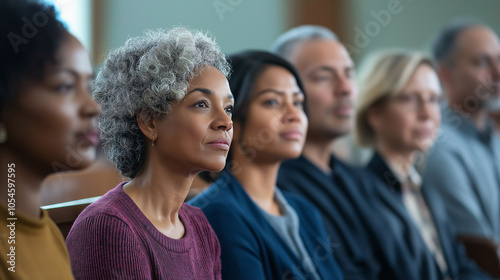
(146,77)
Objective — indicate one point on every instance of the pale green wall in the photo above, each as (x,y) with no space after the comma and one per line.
(250,23)
(417,23)
(256,23)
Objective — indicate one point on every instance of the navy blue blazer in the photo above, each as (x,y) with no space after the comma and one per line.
(250,247)
(418,260)
(342,200)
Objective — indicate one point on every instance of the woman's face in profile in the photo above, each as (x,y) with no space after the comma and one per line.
(410,120)
(197,133)
(53,120)
(276,124)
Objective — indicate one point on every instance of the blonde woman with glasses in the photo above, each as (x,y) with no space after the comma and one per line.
(399,117)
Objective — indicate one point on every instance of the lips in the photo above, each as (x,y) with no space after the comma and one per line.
(344,111)
(425,132)
(221,143)
(292,134)
(91,136)
(343,108)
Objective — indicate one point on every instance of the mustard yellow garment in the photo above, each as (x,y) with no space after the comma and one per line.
(40,251)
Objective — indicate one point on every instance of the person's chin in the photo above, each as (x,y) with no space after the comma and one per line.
(423,145)
(88,157)
(214,165)
(292,153)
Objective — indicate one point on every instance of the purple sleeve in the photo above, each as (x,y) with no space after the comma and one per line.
(104,247)
(217,263)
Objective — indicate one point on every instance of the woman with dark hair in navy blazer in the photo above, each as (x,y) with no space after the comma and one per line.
(266,233)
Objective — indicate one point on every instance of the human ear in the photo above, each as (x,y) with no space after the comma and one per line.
(149,129)
(444,74)
(373,118)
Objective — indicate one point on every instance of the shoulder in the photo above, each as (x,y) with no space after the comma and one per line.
(449,147)
(221,191)
(302,206)
(362,179)
(98,224)
(110,203)
(350,169)
(112,213)
(101,233)
(448,140)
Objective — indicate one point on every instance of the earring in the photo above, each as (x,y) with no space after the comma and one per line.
(153,142)
(3,134)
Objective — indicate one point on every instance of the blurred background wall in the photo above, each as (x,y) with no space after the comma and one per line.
(363,25)
(415,22)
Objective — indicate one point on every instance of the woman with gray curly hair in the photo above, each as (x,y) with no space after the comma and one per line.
(166,115)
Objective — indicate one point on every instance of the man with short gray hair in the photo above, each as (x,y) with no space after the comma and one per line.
(372,235)
(327,72)
(464,164)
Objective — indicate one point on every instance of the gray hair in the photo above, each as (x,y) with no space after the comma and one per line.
(146,77)
(445,42)
(286,42)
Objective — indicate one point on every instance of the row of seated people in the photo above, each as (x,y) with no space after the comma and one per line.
(170,105)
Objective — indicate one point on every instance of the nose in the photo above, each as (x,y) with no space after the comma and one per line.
(292,112)
(90,108)
(344,87)
(426,109)
(222,121)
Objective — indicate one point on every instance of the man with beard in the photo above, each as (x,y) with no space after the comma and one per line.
(464,165)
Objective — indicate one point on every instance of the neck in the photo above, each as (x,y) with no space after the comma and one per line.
(27,182)
(402,160)
(159,193)
(259,181)
(319,153)
(496,117)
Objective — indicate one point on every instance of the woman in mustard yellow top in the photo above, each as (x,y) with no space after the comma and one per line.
(47,124)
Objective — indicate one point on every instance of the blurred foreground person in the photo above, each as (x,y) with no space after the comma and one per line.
(47,124)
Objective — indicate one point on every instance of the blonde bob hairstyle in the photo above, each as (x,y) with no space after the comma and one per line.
(383,75)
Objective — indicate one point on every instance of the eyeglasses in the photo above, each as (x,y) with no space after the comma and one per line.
(416,101)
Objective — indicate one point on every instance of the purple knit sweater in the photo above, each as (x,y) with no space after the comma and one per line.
(112,239)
